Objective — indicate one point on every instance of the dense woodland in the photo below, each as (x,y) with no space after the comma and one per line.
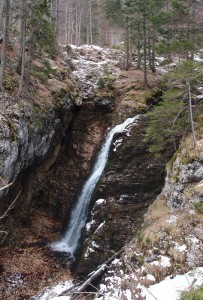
(161,39)
(143,29)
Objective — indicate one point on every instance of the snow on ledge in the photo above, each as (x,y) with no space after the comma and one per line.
(170,289)
(100,201)
(163,262)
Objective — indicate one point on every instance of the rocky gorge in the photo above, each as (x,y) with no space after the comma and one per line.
(48,150)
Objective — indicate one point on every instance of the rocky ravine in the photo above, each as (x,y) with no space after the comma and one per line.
(48,145)
(53,161)
(171,239)
(31,137)
(131,181)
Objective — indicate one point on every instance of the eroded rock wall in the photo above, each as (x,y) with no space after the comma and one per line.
(131,181)
(30,138)
(171,238)
(185,174)
(75,160)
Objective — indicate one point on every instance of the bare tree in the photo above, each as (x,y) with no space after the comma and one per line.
(21,60)
(1,14)
(6,16)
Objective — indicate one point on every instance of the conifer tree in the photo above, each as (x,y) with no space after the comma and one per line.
(180,109)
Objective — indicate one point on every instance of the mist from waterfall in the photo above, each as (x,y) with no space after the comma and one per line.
(70,240)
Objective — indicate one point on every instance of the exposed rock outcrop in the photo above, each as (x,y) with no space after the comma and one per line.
(171,239)
(54,126)
(31,136)
(185,175)
(132,180)
(74,162)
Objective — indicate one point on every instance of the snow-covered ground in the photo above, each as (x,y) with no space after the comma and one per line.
(53,293)
(91,63)
(114,289)
(168,289)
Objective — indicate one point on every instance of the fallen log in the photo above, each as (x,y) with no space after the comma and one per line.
(91,277)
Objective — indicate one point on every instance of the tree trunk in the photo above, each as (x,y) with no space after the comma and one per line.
(191,114)
(22,46)
(139,46)
(94,275)
(153,67)
(1,17)
(5,39)
(145,46)
(90,20)
(127,60)
(66,25)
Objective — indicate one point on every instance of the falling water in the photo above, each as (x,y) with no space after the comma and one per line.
(70,240)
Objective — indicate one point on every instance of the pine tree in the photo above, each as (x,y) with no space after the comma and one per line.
(180,109)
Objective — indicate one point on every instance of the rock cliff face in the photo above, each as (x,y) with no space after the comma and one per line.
(27,136)
(185,174)
(31,136)
(48,147)
(66,178)
(131,181)
(171,238)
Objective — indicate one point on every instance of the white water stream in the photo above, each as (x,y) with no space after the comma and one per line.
(70,240)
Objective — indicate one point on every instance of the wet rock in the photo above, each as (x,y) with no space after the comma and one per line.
(131,181)
(105,103)
(75,160)
(30,137)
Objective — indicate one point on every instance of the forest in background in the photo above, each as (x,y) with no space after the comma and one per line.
(143,29)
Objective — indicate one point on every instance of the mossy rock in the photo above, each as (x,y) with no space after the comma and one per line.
(12,128)
(169,164)
(192,294)
(198,207)
(38,117)
(9,83)
(56,86)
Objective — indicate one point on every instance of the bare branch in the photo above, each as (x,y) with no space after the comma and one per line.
(10,207)
(6,186)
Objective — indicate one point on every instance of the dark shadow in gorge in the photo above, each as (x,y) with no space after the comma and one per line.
(131,181)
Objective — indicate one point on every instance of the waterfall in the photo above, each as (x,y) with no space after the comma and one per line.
(70,240)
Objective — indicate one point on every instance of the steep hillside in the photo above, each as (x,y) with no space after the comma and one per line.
(171,238)
(49,142)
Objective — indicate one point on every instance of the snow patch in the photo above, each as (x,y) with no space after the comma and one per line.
(55,292)
(117,144)
(192,239)
(172,219)
(181,248)
(89,225)
(170,289)
(163,261)
(100,201)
